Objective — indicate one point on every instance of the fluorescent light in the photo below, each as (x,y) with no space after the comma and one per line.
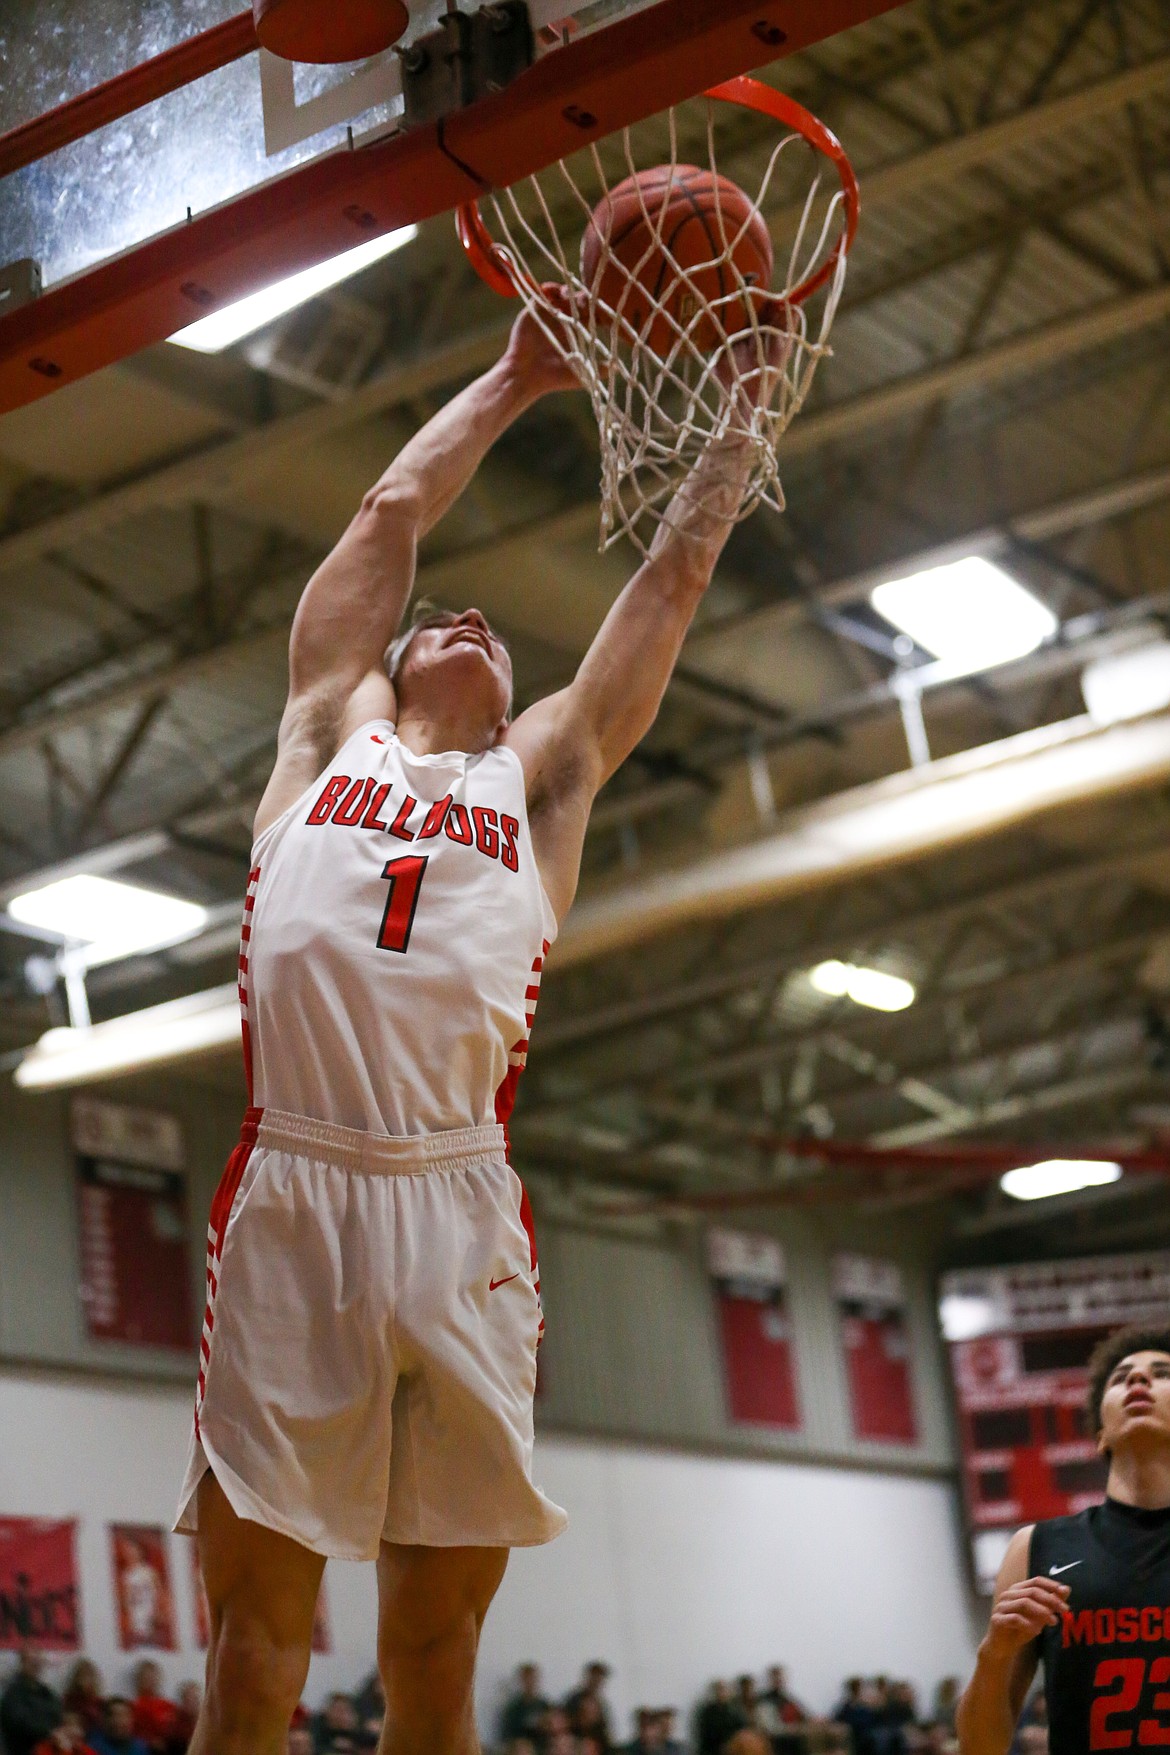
(872,987)
(1057,1176)
(1124,685)
(197,1024)
(108,918)
(969,613)
(212,334)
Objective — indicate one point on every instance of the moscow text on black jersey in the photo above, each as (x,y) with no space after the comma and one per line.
(1107,1662)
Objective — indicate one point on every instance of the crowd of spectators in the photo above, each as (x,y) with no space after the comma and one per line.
(84,1720)
(874,1716)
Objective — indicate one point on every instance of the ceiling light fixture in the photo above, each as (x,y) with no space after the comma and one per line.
(200,1023)
(872,987)
(106,918)
(1125,685)
(1058,1176)
(219,330)
(969,614)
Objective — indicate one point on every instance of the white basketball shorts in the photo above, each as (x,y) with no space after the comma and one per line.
(369,1349)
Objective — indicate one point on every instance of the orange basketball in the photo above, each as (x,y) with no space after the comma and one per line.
(676,236)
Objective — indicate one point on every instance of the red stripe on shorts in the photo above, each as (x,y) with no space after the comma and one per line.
(221,1207)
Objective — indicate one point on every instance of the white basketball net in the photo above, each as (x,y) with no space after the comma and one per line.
(656,416)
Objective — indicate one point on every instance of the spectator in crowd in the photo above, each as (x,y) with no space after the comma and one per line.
(117,1734)
(857,1711)
(558,1738)
(84,1694)
(525,1711)
(748,1741)
(717,1720)
(898,1714)
(670,1742)
(336,1729)
(648,1736)
(1032,1740)
(1035,1711)
(591,1721)
(67,1739)
(29,1709)
(154,1714)
(946,1701)
(300,1740)
(748,1702)
(183,1723)
(587,1707)
(370,1706)
(780,1716)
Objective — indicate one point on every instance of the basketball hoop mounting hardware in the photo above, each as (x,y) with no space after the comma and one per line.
(469,55)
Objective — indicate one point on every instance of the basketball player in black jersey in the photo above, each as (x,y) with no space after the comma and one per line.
(1089,1595)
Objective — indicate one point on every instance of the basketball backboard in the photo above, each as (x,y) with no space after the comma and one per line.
(156,165)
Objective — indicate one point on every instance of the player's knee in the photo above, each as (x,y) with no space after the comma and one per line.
(253,1678)
(438,1627)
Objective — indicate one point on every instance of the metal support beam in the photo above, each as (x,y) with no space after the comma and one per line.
(904,816)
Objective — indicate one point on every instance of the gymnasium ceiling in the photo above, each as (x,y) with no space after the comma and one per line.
(1000,379)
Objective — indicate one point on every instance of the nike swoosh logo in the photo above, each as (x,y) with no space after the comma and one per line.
(1055,1571)
(494,1283)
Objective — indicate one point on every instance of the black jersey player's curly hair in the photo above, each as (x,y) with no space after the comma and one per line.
(1108,1353)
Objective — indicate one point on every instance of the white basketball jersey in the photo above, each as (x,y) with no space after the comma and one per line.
(394,934)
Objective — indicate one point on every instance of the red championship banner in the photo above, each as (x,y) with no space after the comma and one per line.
(322,1631)
(142,1587)
(759,1368)
(132,1214)
(871,1304)
(39,1602)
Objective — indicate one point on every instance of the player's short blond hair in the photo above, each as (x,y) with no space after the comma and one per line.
(426,613)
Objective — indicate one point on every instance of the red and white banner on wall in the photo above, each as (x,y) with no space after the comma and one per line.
(132,1215)
(142,1587)
(750,1276)
(39,1600)
(871,1306)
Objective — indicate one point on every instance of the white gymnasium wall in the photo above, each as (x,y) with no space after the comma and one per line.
(675,1567)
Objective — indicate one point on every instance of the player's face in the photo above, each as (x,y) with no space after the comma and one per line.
(1136,1404)
(459,653)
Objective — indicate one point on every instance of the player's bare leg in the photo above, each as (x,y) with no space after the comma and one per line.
(262,1593)
(431,1607)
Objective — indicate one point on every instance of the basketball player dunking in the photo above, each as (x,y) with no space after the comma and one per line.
(369,1244)
(1089,1595)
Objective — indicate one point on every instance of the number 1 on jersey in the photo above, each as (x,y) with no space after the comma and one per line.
(405,879)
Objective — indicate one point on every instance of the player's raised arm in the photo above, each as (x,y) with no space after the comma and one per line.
(1008,1656)
(573,741)
(352,606)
